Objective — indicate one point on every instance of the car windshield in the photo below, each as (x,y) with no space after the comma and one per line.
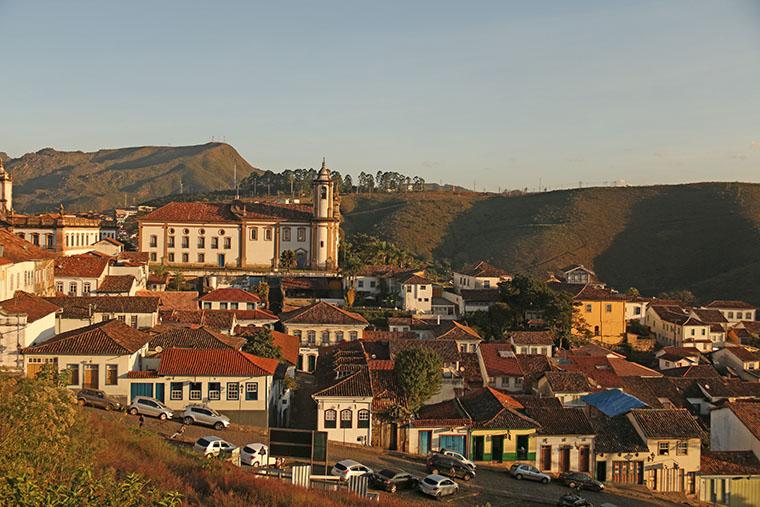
(428,480)
(340,466)
(249,450)
(203,442)
(214,412)
(390,474)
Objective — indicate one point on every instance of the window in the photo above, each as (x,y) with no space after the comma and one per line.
(251,391)
(360,284)
(286,233)
(323,192)
(325,337)
(338,336)
(215,243)
(608,308)
(214,390)
(153,240)
(267,234)
(185,242)
(250,306)
(171,241)
(302,234)
(133,321)
(297,333)
(682,448)
(122,318)
(330,418)
(346,418)
(112,374)
(363,418)
(223,305)
(195,391)
(311,336)
(72,289)
(185,257)
(59,287)
(227,243)
(171,257)
(233,391)
(588,308)
(663,448)
(730,315)
(153,257)
(201,242)
(221,232)
(254,233)
(201,258)
(73,374)
(175,391)
(206,305)
(637,310)
(353,335)
(372,284)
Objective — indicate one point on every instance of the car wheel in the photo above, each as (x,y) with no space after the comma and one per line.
(188,420)
(571,485)
(81,402)
(545,481)
(108,407)
(218,426)
(467,477)
(518,477)
(392,489)
(133,411)
(162,416)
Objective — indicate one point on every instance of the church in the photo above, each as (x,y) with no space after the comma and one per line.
(246,235)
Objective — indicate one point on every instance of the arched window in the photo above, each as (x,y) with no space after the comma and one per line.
(346,418)
(363,418)
(323,192)
(596,330)
(330,418)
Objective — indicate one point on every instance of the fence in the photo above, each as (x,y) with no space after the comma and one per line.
(301,476)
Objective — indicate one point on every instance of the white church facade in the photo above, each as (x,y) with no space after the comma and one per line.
(246,235)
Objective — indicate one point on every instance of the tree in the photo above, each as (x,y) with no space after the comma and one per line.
(418,377)
(287,260)
(524,295)
(262,290)
(177,282)
(261,343)
(633,292)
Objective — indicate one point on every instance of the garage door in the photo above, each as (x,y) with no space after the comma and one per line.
(453,443)
(141,389)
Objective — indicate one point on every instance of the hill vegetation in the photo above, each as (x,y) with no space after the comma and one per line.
(701,237)
(101,180)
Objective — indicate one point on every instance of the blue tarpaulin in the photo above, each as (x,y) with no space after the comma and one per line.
(613,402)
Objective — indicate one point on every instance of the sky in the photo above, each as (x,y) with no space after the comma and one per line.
(491,95)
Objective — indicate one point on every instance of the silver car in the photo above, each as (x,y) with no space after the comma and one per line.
(149,406)
(438,486)
(199,414)
(524,471)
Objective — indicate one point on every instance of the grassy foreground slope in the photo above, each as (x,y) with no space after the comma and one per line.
(703,237)
(100,180)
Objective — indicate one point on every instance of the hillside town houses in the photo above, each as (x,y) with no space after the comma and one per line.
(637,390)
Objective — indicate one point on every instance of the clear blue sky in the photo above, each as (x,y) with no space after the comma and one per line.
(499,92)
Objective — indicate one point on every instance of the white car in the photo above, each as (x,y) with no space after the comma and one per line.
(458,457)
(213,446)
(257,455)
(349,468)
(438,486)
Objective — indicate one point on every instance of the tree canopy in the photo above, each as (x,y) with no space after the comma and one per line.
(418,377)
(262,344)
(525,296)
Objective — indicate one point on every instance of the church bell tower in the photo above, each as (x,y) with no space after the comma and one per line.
(325,226)
(6,191)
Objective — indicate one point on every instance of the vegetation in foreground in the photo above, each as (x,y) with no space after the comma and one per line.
(54,453)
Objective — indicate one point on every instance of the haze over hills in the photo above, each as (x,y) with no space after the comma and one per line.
(703,237)
(100,180)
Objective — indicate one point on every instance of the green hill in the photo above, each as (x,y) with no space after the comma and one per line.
(101,180)
(703,237)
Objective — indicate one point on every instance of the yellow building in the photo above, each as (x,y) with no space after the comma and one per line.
(601,312)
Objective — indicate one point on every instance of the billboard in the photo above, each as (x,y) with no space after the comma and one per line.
(309,445)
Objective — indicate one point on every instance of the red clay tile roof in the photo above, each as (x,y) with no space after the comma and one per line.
(693,371)
(749,414)
(79,307)
(258,314)
(453,330)
(137,257)
(379,270)
(194,338)
(323,313)
(217,319)
(231,294)
(16,249)
(207,212)
(33,306)
(561,421)
(412,322)
(730,305)
(142,374)
(158,279)
(710,316)
(83,266)
(288,344)
(415,279)
(531,337)
(666,423)
(445,413)
(483,269)
(625,368)
(488,409)
(616,434)
(117,283)
(480,295)
(223,362)
(729,463)
(380,364)
(678,353)
(173,300)
(588,292)
(374,335)
(744,354)
(676,315)
(447,350)
(496,364)
(568,382)
(111,337)
(355,385)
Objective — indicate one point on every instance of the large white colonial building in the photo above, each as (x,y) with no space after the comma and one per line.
(248,235)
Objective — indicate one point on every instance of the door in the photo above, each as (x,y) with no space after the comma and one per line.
(583,458)
(220,260)
(522,446)
(601,471)
(453,443)
(426,438)
(546,457)
(141,389)
(497,448)
(160,392)
(479,445)
(90,377)
(32,369)
(312,364)
(564,459)
(393,443)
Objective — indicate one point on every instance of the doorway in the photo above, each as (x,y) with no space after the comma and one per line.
(546,457)
(564,459)
(479,445)
(601,471)
(497,448)
(220,260)
(90,377)
(426,438)
(522,446)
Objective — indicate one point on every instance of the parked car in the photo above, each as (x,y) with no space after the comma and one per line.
(213,446)
(257,455)
(438,486)
(149,406)
(200,414)
(439,463)
(524,471)
(580,480)
(573,500)
(349,468)
(96,398)
(393,479)
(458,456)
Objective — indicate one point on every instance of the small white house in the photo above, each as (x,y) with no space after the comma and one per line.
(416,294)
(25,320)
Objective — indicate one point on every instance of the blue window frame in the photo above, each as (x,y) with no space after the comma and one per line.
(251,391)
